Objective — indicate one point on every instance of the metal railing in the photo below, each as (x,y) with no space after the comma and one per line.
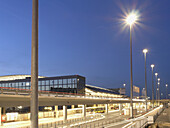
(67,123)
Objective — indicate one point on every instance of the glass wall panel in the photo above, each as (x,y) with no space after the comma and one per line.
(60,81)
(39,82)
(43,82)
(64,86)
(47,82)
(64,81)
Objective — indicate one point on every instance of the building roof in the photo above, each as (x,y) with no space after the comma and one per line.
(15,77)
(99,89)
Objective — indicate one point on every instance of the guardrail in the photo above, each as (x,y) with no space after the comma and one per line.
(151,119)
(68,123)
(143,121)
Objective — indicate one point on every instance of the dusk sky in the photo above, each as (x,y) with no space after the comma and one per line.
(86,37)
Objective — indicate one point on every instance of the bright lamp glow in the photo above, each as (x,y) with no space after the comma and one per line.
(131,18)
(145,51)
(152,65)
(166,85)
(159,79)
(156,74)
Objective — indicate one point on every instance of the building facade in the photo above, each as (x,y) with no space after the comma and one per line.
(70,84)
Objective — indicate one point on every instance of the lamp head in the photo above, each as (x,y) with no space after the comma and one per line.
(156,74)
(131,18)
(152,65)
(145,51)
(159,79)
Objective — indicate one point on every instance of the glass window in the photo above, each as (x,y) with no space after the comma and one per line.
(74,80)
(60,81)
(64,86)
(69,85)
(39,88)
(69,81)
(47,88)
(51,82)
(47,82)
(55,81)
(64,81)
(27,83)
(43,82)
(75,85)
(43,88)
(14,85)
(39,82)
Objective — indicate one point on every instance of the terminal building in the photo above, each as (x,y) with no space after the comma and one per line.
(74,84)
(70,84)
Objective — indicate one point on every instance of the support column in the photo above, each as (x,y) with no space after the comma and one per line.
(120,108)
(84,110)
(3,111)
(64,113)
(56,112)
(72,106)
(106,108)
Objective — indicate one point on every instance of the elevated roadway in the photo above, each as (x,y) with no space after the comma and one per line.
(10,97)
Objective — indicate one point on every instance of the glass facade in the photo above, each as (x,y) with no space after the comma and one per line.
(69,84)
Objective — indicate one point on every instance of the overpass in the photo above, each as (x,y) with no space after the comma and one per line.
(11,97)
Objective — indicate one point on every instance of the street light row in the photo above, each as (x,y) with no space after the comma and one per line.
(157,83)
(130,20)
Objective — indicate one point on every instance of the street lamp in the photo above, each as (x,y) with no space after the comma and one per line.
(161,95)
(145,51)
(152,66)
(166,91)
(124,85)
(159,88)
(156,75)
(130,20)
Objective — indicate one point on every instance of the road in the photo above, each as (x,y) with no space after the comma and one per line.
(164,119)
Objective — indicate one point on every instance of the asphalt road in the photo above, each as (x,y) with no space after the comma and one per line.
(163,121)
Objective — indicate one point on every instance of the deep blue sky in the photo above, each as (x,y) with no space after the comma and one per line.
(85,37)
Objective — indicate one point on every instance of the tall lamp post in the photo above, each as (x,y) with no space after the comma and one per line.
(34,66)
(152,66)
(159,88)
(124,85)
(146,97)
(130,20)
(156,75)
(166,91)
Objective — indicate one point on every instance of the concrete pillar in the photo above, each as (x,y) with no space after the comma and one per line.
(65,113)
(106,108)
(4,111)
(120,108)
(84,110)
(72,106)
(56,112)
(0,116)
